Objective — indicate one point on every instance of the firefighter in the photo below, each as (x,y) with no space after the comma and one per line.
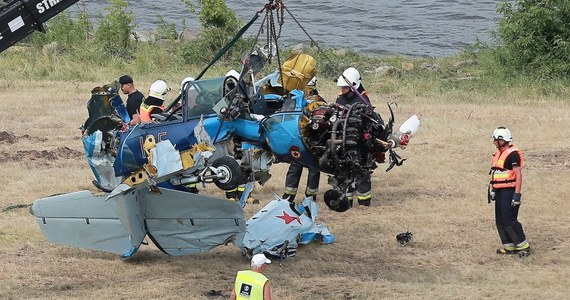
(505,189)
(311,92)
(154,103)
(347,97)
(294,177)
(295,171)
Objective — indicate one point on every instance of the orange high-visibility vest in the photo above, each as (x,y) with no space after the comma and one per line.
(146,111)
(501,177)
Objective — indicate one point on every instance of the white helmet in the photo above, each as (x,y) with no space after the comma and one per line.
(187,79)
(158,89)
(232,73)
(352,75)
(312,82)
(502,133)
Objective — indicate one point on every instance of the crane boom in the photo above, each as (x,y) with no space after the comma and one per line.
(19,18)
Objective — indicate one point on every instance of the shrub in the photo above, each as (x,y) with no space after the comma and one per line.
(533,37)
(114,31)
(64,30)
(165,30)
(219,26)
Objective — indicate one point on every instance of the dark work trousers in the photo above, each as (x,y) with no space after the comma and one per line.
(363,186)
(294,176)
(509,228)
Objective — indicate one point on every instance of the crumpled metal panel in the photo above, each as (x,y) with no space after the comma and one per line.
(181,224)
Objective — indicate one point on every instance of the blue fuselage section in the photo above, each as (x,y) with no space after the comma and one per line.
(131,155)
(281,132)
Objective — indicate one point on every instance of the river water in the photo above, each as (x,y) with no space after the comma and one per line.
(412,27)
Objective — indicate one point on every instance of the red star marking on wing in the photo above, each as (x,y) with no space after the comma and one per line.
(288,219)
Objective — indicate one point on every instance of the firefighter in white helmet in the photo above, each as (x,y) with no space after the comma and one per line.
(231,80)
(349,82)
(505,189)
(177,108)
(185,80)
(154,103)
(351,78)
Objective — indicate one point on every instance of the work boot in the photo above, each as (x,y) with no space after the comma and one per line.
(522,247)
(523,250)
(231,195)
(251,200)
(313,197)
(364,202)
(507,249)
(289,197)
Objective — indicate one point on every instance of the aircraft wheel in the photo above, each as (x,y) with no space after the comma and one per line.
(231,170)
(336,201)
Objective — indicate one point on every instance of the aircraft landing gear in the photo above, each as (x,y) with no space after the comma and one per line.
(230,173)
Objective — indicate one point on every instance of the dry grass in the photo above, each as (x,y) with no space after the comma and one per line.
(438,194)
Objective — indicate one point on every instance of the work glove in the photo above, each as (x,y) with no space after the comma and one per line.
(490,194)
(516,200)
(404,139)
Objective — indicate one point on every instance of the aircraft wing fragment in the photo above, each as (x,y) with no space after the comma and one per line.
(179,223)
(83,220)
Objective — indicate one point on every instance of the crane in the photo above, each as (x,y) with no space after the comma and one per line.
(19,18)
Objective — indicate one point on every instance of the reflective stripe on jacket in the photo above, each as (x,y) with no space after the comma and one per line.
(249,285)
(146,111)
(501,177)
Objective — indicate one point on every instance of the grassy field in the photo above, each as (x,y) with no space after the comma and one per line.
(438,194)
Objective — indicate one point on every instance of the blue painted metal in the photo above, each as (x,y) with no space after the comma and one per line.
(281,132)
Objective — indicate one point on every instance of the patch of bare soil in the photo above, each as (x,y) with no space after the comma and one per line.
(41,155)
(10,138)
(554,159)
(7,137)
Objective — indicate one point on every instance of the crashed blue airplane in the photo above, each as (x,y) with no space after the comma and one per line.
(226,131)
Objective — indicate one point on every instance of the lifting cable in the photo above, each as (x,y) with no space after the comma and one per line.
(269,24)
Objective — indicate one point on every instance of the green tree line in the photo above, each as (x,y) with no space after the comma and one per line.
(531,39)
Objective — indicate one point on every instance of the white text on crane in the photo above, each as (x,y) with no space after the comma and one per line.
(45,5)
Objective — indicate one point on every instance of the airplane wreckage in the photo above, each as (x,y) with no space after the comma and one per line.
(227,131)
